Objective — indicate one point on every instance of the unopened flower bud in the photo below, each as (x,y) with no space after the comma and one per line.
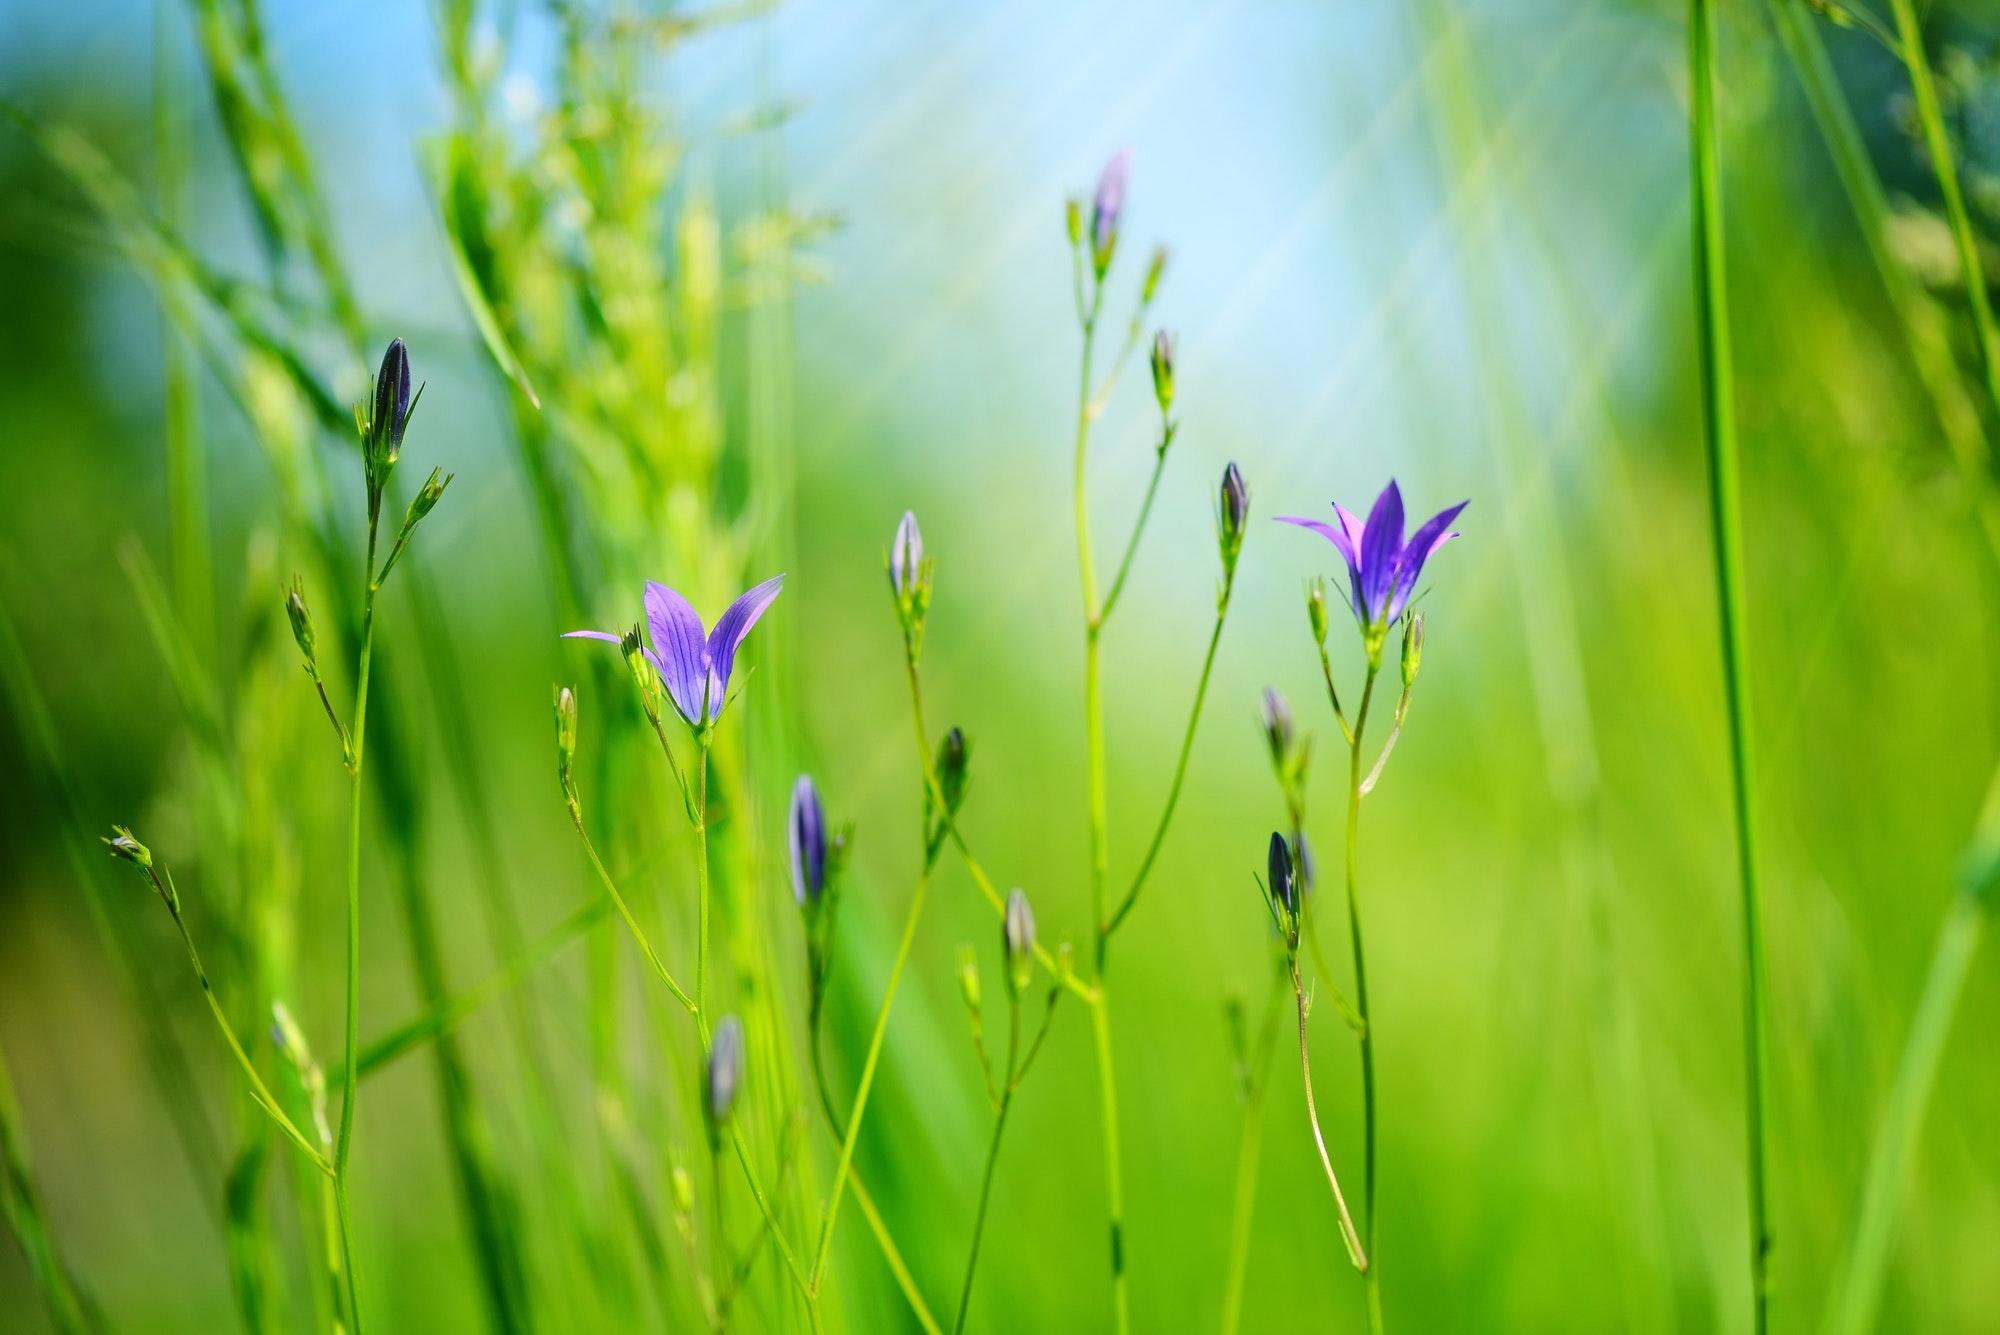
(1316,610)
(724,1074)
(1277,720)
(1106,207)
(301,619)
(954,755)
(633,647)
(1017,933)
(427,497)
(1233,511)
(968,980)
(1163,369)
(1413,648)
(808,841)
(906,556)
(566,740)
(1156,268)
(1073,219)
(683,1188)
(390,411)
(128,849)
(1284,884)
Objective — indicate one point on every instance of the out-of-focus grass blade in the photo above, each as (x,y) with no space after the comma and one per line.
(21,1202)
(441,167)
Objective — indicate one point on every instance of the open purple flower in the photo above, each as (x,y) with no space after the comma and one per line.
(1382,569)
(694,667)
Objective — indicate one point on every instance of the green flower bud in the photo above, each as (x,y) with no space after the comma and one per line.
(1316,609)
(1163,369)
(301,619)
(125,847)
(954,754)
(566,744)
(1232,513)
(968,978)
(1413,648)
(1155,268)
(1017,934)
(1073,219)
(427,497)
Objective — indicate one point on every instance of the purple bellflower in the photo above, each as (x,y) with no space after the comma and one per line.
(1382,569)
(694,668)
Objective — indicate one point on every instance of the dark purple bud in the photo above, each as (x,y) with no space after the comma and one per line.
(392,403)
(1017,933)
(725,1072)
(1163,369)
(906,555)
(1106,207)
(1277,719)
(808,838)
(1284,887)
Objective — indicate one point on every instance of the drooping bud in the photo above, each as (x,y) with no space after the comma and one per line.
(906,555)
(1163,369)
(1156,268)
(1316,609)
(123,846)
(724,1074)
(1277,720)
(808,842)
(1106,207)
(954,755)
(1232,513)
(1413,648)
(1017,933)
(301,619)
(566,745)
(390,411)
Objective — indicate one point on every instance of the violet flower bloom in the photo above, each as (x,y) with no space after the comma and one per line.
(808,836)
(1382,569)
(695,669)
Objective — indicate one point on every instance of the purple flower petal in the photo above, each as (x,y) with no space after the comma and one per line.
(1427,539)
(681,653)
(606,636)
(1344,543)
(1110,199)
(1381,546)
(1353,527)
(728,635)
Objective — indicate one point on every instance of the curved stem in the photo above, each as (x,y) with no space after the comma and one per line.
(1132,544)
(645,946)
(1347,1233)
(806,1290)
(840,1172)
(992,1161)
(1180,770)
(1719,427)
(1370,1275)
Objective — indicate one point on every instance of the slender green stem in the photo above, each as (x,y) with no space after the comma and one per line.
(805,1287)
(992,1161)
(1347,1233)
(1370,1273)
(1719,423)
(701,882)
(1910,39)
(345,1217)
(1180,770)
(1138,531)
(904,1279)
(360,736)
(1249,1152)
(645,946)
(21,1205)
(1858,1298)
(1114,1180)
(861,1092)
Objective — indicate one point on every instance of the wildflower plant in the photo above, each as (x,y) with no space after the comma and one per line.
(1383,570)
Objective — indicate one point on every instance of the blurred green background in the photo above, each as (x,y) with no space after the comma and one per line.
(1442,242)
